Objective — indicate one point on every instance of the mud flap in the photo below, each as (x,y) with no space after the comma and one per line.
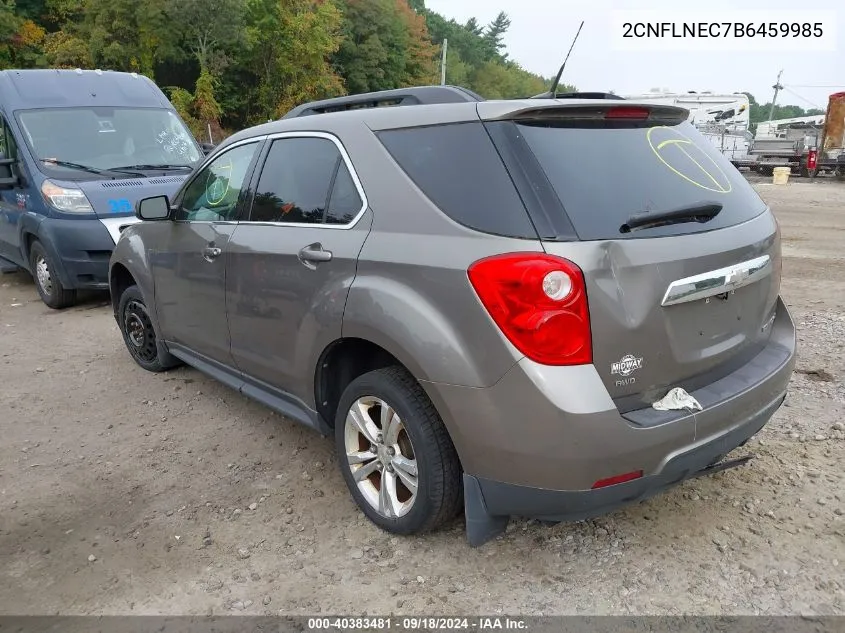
(481,527)
(720,466)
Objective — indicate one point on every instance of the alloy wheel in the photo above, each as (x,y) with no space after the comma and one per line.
(381,457)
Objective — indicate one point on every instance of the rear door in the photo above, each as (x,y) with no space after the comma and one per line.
(675,303)
(293,259)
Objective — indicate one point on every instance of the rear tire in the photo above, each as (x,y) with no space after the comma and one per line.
(404,472)
(47,283)
(139,335)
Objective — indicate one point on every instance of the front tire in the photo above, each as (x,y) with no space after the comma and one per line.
(395,454)
(47,283)
(138,332)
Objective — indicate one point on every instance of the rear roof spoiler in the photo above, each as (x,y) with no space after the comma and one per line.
(420,95)
(551,109)
(579,95)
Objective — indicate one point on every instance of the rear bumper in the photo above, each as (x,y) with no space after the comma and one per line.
(502,499)
(535,443)
(80,249)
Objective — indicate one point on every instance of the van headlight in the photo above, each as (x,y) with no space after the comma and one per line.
(67,199)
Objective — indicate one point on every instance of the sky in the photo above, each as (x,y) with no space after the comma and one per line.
(541,32)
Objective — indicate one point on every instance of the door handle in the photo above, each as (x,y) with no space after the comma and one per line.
(314,253)
(210,253)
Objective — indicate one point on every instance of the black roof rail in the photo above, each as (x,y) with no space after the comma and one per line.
(579,95)
(419,95)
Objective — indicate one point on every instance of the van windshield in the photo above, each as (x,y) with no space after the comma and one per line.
(106,138)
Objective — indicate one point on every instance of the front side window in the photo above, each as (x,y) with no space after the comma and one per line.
(213,194)
(305,181)
(103,138)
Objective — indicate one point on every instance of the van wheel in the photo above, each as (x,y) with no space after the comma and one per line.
(395,454)
(47,282)
(138,333)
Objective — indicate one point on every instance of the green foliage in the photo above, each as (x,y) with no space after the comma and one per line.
(496,32)
(475,58)
(9,22)
(760,112)
(211,29)
(289,48)
(232,63)
(127,35)
(385,45)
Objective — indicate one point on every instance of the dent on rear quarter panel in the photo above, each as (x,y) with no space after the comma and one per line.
(411,293)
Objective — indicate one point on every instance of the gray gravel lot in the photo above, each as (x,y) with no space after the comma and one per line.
(126,492)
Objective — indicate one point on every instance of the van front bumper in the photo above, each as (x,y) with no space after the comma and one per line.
(80,249)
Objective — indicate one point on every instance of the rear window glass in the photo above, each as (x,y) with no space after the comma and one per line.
(603,176)
(457,167)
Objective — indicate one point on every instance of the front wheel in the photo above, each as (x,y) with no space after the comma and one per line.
(47,282)
(138,332)
(395,454)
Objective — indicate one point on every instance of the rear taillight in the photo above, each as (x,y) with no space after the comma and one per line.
(539,302)
(626,112)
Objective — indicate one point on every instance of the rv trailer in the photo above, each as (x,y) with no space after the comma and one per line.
(722,118)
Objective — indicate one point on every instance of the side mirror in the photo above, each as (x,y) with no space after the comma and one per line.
(207,148)
(155,208)
(7,177)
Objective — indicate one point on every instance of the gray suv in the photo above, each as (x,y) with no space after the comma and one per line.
(485,302)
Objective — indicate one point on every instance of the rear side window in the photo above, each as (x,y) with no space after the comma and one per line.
(603,176)
(457,167)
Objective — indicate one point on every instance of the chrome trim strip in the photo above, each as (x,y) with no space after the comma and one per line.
(717,282)
(115,225)
(304,134)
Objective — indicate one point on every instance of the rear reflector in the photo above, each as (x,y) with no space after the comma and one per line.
(627,112)
(539,303)
(618,479)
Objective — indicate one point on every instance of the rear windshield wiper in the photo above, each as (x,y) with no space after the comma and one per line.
(88,168)
(162,167)
(701,213)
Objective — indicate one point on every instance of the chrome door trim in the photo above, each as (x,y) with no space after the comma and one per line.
(717,282)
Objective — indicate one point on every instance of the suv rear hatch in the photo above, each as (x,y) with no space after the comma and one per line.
(680,256)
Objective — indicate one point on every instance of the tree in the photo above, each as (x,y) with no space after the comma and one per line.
(233,63)
(66,50)
(494,37)
(127,35)
(473,27)
(496,80)
(385,46)
(290,43)
(211,29)
(421,54)
(9,22)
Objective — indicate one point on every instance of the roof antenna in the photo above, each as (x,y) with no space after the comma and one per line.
(552,93)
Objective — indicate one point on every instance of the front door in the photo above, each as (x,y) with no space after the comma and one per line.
(190,269)
(292,260)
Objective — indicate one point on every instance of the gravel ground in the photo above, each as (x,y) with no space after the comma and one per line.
(123,492)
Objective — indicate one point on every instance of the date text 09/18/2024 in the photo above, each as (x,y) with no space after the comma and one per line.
(412,623)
